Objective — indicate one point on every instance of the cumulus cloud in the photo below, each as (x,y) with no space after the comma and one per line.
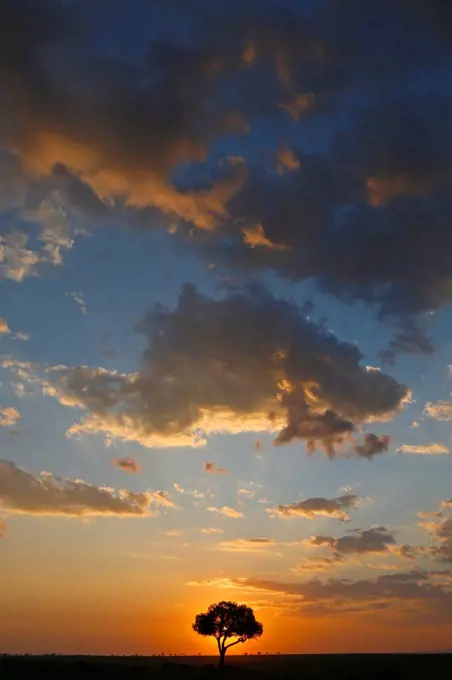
(314,507)
(211,530)
(440,410)
(424,449)
(246,362)
(374,540)
(227,512)
(126,464)
(45,494)
(9,416)
(212,468)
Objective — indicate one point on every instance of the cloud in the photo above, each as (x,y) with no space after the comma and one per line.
(4,328)
(24,493)
(212,468)
(227,512)
(371,445)
(412,593)
(162,498)
(21,336)
(111,132)
(190,492)
(128,465)
(374,540)
(424,449)
(441,534)
(319,564)
(212,530)
(2,528)
(80,301)
(314,507)
(247,545)
(441,410)
(9,416)
(122,143)
(248,362)
(247,492)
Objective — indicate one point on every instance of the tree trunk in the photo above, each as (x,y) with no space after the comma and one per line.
(221,661)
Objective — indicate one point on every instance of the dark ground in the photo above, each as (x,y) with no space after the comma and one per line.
(308,667)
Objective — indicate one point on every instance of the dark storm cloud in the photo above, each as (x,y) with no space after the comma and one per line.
(247,362)
(366,216)
(374,540)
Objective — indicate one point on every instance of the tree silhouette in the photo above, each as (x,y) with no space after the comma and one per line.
(226,621)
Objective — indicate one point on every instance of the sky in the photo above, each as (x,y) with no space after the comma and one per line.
(225,323)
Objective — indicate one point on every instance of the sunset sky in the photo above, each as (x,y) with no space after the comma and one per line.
(225,323)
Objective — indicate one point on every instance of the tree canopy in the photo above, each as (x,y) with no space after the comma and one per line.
(228,621)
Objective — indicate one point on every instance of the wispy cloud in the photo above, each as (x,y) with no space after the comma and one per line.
(424,449)
(79,299)
(247,545)
(227,512)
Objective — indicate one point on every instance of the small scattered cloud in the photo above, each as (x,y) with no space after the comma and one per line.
(79,299)
(424,449)
(212,530)
(247,492)
(440,410)
(314,507)
(21,336)
(227,512)
(173,532)
(190,492)
(4,328)
(213,469)
(286,161)
(128,465)
(9,416)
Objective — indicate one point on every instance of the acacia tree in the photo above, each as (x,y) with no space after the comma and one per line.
(228,621)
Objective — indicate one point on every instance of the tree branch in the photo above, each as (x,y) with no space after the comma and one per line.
(231,644)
